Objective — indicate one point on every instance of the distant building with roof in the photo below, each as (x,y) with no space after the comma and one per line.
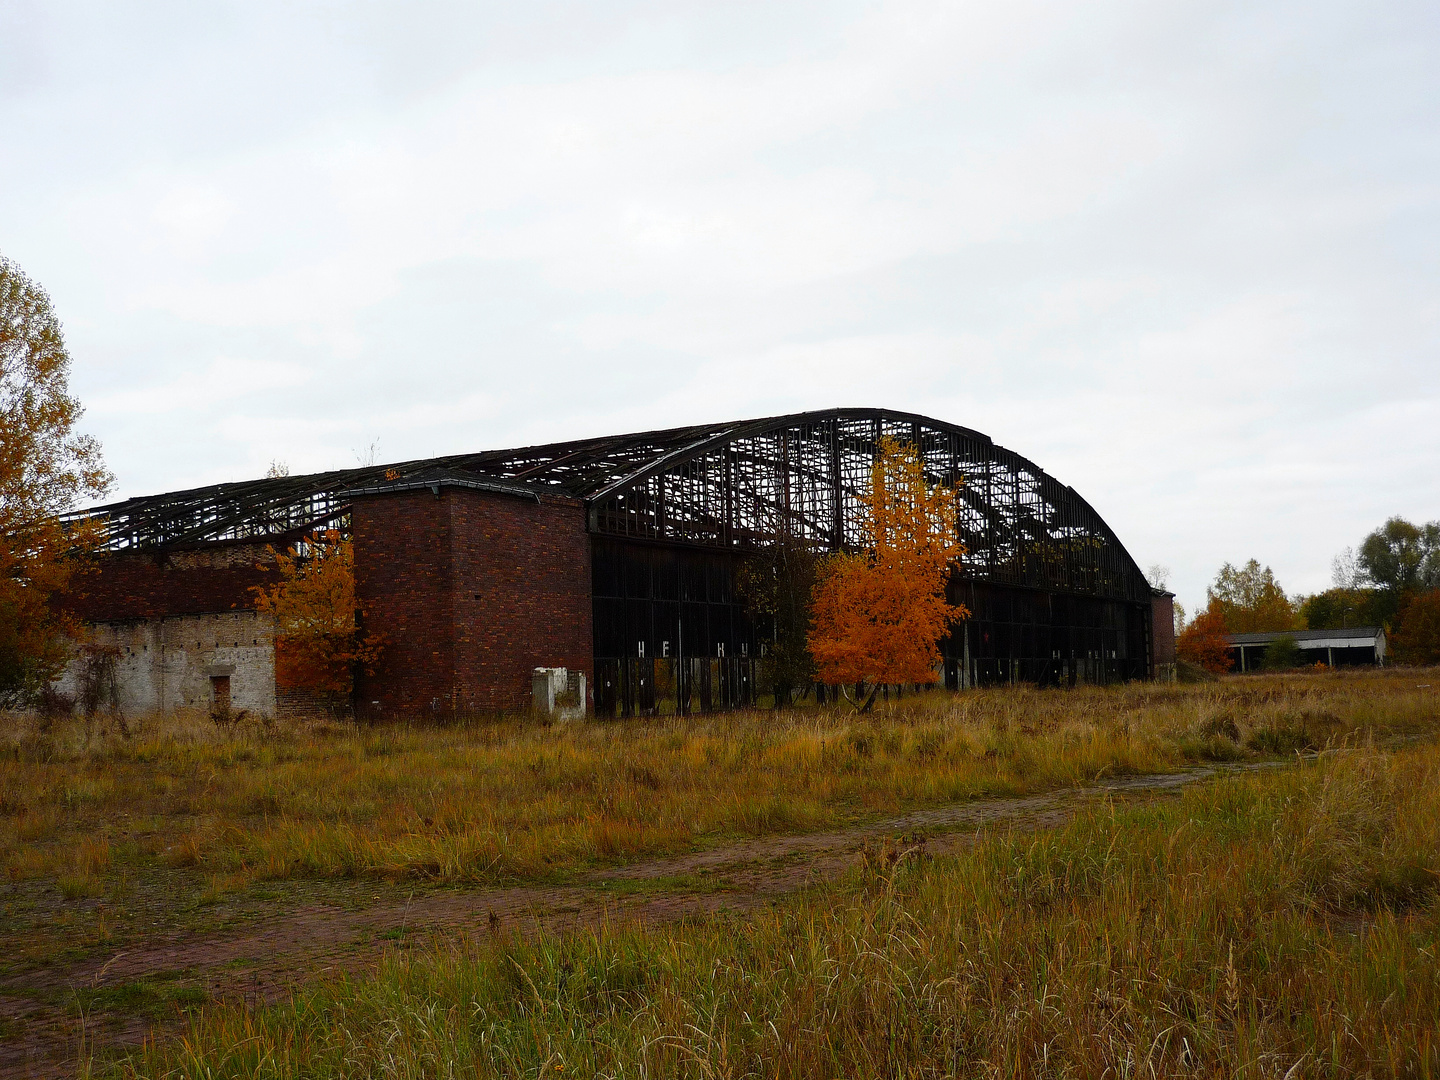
(1357,646)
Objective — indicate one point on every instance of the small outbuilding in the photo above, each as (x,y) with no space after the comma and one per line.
(1358,646)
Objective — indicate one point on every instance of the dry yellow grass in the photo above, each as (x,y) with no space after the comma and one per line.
(511,799)
(1277,924)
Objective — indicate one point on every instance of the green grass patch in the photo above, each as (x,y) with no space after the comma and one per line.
(156,998)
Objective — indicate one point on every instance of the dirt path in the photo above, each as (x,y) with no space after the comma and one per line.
(271,957)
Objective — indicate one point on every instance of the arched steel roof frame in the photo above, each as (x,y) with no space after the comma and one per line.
(803,474)
(727,485)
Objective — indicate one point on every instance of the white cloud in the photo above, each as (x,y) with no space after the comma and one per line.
(1181,256)
(225,380)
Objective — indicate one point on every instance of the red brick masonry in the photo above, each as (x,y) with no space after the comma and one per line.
(1162,611)
(142,586)
(472,590)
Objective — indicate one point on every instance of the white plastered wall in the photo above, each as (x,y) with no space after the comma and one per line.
(165,664)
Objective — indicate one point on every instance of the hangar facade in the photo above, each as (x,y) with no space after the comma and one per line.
(614,557)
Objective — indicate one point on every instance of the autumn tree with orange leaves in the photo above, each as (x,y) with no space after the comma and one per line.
(1203,642)
(46,467)
(1250,600)
(879,614)
(319,642)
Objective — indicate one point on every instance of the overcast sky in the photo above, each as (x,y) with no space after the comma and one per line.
(1184,256)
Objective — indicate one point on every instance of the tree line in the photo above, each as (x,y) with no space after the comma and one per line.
(1392,581)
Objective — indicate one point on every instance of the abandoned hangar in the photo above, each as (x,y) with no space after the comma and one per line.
(613,557)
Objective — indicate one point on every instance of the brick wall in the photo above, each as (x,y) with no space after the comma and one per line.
(296,703)
(403,585)
(522,595)
(472,590)
(1162,610)
(140,586)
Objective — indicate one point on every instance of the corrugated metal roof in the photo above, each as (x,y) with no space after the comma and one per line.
(1359,634)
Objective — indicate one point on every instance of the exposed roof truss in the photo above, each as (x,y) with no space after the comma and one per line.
(723,485)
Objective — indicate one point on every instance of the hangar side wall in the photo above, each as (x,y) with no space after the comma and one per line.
(174,618)
(662,600)
(472,591)
(1015,635)
(165,663)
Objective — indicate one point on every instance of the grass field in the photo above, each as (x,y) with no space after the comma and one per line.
(115,842)
(1274,924)
(105,834)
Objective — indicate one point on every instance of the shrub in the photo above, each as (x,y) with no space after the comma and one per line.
(1282,654)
